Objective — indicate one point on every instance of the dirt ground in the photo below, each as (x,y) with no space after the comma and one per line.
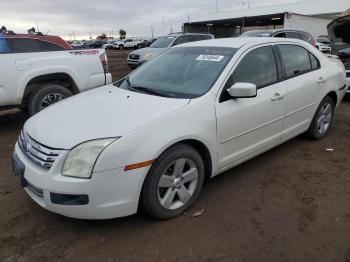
(289,204)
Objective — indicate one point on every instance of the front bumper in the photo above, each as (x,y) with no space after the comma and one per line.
(109,194)
(108,78)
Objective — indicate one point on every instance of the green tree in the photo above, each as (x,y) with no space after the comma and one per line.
(122,33)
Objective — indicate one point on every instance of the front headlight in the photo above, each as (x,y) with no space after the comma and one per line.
(147,56)
(82,158)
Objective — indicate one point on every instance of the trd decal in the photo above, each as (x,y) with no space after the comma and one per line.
(84,52)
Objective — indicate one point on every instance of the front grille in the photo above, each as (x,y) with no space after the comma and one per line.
(38,153)
(134,57)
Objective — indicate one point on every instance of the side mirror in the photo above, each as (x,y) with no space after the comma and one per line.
(243,90)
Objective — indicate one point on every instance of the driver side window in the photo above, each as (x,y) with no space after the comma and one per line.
(257,67)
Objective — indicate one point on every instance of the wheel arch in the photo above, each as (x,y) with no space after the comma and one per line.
(334,97)
(59,78)
(202,150)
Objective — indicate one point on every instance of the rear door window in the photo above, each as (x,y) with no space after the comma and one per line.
(295,59)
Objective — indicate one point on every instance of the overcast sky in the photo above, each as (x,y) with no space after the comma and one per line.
(63,17)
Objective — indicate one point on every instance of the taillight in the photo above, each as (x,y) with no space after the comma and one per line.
(314,43)
(104,62)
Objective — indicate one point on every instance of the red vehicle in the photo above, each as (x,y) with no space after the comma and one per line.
(36,42)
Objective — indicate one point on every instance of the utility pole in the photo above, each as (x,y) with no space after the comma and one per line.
(152,32)
(163,25)
(37,27)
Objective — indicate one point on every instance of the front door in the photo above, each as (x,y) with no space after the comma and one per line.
(249,126)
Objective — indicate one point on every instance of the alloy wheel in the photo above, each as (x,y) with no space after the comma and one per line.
(324,118)
(177,183)
(50,99)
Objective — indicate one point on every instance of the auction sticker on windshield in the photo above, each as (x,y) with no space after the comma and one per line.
(213,58)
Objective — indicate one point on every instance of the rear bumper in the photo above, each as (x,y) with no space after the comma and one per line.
(108,78)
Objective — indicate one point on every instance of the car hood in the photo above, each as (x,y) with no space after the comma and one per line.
(339,34)
(148,50)
(100,113)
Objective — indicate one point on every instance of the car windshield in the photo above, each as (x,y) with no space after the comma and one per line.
(183,72)
(162,42)
(256,34)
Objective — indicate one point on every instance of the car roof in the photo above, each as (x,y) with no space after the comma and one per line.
(182,34)
(273,31)
(238,42)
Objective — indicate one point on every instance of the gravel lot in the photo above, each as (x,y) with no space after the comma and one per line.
(290,204)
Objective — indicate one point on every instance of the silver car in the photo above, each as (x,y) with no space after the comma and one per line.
(163,43)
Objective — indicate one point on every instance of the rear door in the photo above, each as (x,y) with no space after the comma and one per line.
(304,79)
(249,126)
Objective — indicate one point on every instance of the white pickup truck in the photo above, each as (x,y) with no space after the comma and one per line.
(36,71)
(128,43)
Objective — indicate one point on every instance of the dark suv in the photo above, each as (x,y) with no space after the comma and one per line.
(163,43)
(284,33)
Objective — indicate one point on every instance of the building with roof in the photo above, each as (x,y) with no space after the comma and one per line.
(310,15)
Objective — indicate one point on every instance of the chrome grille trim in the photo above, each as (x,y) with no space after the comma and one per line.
(38,153)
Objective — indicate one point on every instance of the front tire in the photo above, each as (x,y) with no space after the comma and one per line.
(173,183)
(323,119)
(47,95)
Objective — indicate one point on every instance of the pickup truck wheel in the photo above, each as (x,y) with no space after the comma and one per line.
(47,95)
(173,183)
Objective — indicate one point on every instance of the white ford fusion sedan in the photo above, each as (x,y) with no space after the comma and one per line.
(151,139)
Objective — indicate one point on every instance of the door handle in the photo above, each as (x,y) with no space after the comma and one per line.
(277,97)
(321,80)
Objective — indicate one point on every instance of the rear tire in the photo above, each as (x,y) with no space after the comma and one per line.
(46,95)
(173,183)
(323,119)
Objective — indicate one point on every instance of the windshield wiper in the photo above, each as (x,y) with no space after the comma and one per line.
(141,89)
(149,91)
